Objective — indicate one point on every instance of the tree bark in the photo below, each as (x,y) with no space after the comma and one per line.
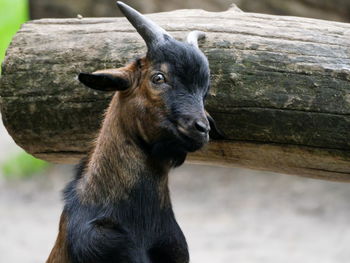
(280,87)
(337,10)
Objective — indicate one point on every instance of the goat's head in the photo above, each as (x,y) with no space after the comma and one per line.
(162,95)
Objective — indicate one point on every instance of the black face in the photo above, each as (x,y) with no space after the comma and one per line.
(178,75)
(181,72)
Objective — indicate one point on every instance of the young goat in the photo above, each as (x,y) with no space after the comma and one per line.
(118,207)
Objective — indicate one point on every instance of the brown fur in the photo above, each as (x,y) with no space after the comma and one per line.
(130,113)
(115,162)
(59,253)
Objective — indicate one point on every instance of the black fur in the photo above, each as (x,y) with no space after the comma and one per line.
(189,70)
(215,133)
(135,230)
(103,81)
(185,91)
(169,150)
(138,229)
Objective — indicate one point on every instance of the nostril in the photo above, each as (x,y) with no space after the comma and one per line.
(202,127)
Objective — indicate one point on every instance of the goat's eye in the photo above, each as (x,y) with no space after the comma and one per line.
(158,78)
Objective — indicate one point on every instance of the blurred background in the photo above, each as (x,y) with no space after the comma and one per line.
(227,214)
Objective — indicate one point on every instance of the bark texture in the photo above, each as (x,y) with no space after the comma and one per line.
(337,10)
(280,87)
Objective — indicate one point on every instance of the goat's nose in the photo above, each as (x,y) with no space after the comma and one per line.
(201,126)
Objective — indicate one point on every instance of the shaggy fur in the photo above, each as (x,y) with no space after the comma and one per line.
(118,208)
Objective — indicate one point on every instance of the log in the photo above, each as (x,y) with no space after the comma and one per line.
(337,10)
(280,87)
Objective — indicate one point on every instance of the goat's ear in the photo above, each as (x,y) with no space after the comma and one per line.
(108,80)
(215,133)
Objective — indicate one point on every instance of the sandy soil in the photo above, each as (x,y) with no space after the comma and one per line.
(227,215)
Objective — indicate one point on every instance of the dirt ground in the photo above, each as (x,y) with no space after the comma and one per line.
(227,215)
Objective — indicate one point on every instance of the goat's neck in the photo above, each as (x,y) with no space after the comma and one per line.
(117,163)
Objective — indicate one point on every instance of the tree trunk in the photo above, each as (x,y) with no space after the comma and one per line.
(280,87)
(338,10)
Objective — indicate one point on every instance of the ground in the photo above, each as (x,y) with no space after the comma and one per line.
(228,215)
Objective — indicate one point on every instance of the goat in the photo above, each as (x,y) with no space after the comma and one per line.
(118,208)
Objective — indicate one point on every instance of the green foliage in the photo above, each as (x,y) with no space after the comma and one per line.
(12,14)
(23,165)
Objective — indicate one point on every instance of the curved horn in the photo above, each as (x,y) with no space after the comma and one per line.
(149,31)
(194,36)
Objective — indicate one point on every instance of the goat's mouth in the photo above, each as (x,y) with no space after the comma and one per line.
(176,142)
(191,140)
(179,138)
